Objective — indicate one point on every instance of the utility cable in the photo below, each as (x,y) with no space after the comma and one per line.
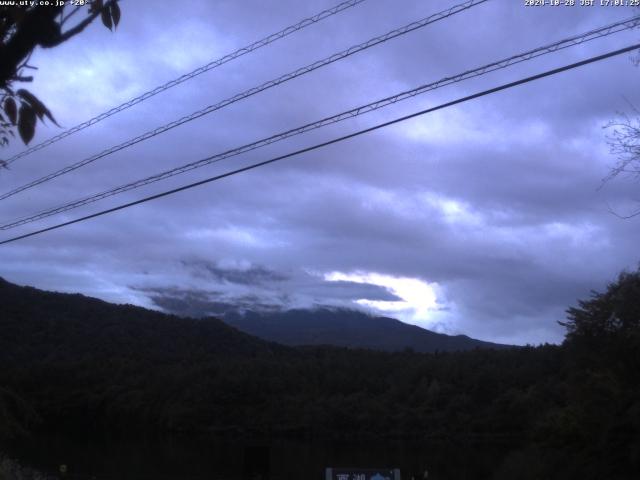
(252,91)
(188,76)
(370,107)
(329,142)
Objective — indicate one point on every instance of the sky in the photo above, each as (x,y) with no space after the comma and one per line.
(488,218)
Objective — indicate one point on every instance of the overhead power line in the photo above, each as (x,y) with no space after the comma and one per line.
(330,142)
(188,76)
(370,107)
(252,91)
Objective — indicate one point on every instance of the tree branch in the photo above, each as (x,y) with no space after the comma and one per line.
(71,14)
(38,28)
(623,217)
(83,24)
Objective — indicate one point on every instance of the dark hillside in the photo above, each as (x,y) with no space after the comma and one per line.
(81,362)
(47,327)
(349,328)
(77,359)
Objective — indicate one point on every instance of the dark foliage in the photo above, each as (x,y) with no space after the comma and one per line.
(570,411)
(25,26)
(609,315)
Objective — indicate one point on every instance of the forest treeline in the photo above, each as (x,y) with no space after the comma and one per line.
(68,362)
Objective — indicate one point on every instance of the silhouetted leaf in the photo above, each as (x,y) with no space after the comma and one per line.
(26,122)
(11,110)
(115,13)
(106,18)
(39,107)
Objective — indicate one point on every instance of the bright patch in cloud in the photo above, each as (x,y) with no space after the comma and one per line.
(443,127)
(447,127)
(419,303)
(453,211)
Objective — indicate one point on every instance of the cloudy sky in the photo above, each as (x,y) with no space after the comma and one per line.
(484,218)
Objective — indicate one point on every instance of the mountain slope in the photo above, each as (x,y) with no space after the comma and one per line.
(41,327)
(69,362)
(81,363)
(348,328)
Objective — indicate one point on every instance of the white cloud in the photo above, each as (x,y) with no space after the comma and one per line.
(454,211)
(420,300)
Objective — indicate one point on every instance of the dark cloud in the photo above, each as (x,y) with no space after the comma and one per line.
(198,304)
(254,275)
(307,291)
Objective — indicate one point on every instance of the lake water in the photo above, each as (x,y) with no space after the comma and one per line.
(191,459)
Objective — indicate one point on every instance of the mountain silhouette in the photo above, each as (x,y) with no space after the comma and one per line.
(348,328)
